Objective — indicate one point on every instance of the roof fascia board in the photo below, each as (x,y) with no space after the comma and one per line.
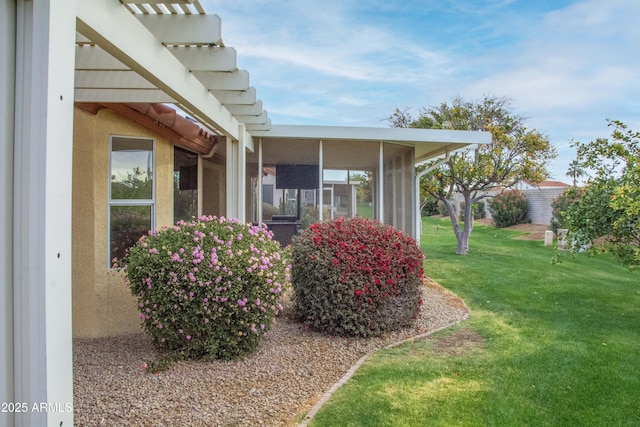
(110,25)
(442,150)
(411,135)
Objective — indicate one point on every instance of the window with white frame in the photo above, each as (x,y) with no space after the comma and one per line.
(131,192)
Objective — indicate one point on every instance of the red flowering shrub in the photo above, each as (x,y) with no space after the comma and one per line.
(356,277)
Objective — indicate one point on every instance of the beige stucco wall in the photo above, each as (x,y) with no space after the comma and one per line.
(102,303)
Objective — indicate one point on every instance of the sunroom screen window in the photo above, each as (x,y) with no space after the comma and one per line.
(348,193)
(131,192)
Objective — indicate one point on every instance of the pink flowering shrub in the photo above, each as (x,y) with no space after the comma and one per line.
(356,277)
(207,288)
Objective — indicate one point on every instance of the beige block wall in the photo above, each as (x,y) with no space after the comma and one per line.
(102,303)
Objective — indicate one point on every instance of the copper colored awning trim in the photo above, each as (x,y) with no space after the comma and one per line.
(164,121)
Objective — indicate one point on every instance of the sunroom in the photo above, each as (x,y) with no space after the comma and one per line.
(303,174)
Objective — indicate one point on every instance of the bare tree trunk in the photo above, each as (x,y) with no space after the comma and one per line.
(462,233)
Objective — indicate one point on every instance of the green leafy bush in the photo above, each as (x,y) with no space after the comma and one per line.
(509,208)
(560,205)
(208,288)
(356,277)
(590,219)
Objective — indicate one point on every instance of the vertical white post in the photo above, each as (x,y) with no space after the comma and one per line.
(200,185)
(354,201)
(381,183)
(43,138)
(321,181)
(241,168)
(403,188)
(232,179)
(411,174)
(7,102)
(417,228)
(260,167)
(395,185)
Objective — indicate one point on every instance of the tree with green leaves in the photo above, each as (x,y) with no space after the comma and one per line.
(516,153)
(575,171)
(609,210)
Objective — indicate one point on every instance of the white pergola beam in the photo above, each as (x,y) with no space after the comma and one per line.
(156,1)
(122,95)
(95,58)
(176,29)
(206,58)
(237,80)
(262,118)
(247,97)
(171,4)
(253,127)
(117,31)
(195,58)
(82,40)
(245,110)
(111,80)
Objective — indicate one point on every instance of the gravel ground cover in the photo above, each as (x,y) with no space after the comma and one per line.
(275,386)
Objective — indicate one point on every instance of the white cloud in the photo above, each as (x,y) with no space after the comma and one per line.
(354,61)
(327,38)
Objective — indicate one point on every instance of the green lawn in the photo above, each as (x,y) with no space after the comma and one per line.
(547,344)
(365,211)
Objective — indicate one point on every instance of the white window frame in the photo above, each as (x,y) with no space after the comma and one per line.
(130,202)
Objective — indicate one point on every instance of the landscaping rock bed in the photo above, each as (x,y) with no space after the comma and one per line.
(291,370)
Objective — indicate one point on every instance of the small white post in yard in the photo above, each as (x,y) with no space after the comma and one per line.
(562,239)
(548,238)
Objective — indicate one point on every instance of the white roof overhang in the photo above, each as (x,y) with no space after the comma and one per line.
(428,143)
(138,51)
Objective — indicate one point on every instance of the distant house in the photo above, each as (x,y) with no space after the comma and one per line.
(544,185)
(539,198)
(97,148)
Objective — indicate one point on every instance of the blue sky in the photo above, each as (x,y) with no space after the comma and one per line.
(566,65)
